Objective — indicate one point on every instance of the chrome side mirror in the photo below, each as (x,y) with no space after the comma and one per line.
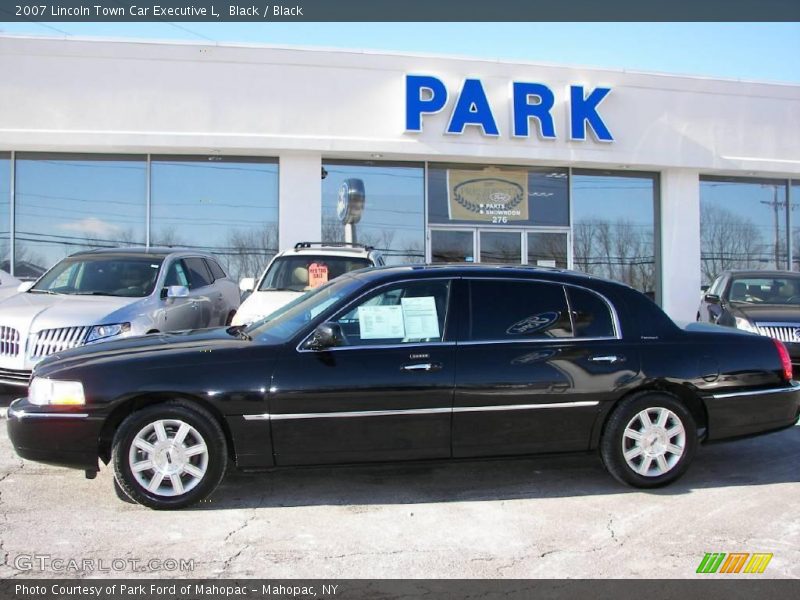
(326,335)
(176,291)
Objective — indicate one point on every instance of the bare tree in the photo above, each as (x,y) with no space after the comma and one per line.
(729,241)
(619,250)
(249,251)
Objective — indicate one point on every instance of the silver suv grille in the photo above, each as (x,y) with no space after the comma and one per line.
(9,341)
(785,332)
(49,341)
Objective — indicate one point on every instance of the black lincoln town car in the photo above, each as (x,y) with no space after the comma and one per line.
(408,363)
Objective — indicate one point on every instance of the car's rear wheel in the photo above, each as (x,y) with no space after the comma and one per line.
(169,455)
(649,440)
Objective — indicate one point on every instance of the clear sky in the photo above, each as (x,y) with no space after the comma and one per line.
(759,51)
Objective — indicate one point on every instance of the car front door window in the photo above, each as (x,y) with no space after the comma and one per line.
(407,313)
(176,275)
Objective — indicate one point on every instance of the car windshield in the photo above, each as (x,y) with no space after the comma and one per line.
(303,272)
(766,290)
(133,277)
(286,322)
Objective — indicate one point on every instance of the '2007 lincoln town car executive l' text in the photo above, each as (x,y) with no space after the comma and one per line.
(400,363)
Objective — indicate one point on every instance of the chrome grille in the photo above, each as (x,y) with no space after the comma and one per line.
(49,341)
(785,332)
(18,377)
(9,341)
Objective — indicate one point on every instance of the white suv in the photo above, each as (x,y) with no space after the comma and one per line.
(293,272)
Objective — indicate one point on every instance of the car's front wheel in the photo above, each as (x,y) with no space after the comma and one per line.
(169,455)
(649,440)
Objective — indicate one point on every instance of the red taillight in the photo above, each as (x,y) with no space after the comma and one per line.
(786,362)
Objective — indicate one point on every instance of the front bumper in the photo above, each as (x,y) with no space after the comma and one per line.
(47,434)
(750,412)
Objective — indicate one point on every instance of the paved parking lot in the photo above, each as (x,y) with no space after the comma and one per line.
(542,517)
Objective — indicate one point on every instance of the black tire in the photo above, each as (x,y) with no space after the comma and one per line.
(203,429)
(615,443)
(120,493)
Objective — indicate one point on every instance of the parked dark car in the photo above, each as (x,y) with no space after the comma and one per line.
(763,302)
(408,363)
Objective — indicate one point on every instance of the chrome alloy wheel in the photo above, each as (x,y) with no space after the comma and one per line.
(654,441)
(168,457)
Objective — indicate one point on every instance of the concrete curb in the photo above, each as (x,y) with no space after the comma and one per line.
(3,412)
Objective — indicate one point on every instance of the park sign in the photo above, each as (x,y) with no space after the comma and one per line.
(530,102)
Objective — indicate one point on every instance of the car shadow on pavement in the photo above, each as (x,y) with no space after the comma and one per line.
(756,461)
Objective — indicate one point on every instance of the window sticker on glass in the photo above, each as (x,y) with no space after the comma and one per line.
(381,322)
(420,317)
(317,275)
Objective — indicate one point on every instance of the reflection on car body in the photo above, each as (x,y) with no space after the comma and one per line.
(408,363)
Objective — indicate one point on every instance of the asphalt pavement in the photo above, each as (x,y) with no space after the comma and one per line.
(548,517)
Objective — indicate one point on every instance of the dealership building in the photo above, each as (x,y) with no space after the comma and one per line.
(659,181)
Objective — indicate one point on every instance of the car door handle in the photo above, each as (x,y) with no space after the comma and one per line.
(414,367)
(607,358)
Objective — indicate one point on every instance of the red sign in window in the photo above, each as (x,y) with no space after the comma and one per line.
(317,275)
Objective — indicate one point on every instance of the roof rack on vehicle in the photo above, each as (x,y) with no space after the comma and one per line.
(299,245)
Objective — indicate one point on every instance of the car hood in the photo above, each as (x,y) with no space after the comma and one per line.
(261,304)
(165,345)
(34,312)
(773,313)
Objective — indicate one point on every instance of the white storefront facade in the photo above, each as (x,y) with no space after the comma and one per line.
(657,180)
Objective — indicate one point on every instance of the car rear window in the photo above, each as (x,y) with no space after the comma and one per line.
(591,316)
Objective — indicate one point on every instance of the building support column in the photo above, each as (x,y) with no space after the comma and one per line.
(680,243)
(300,199)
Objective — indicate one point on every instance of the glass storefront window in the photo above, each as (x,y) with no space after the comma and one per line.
(547,249)
(795,216)
(225,205)
(71,202)
(392,217)
(501,247)
(452,246)
(5,216)
(480,195)
(613,227)
(742,225)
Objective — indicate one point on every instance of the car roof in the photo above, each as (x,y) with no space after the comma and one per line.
(159,252)
(331,250)
(757,273)
(479,270)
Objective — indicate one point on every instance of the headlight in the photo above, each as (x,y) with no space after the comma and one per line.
(52,391)
(745,325)
(101,332)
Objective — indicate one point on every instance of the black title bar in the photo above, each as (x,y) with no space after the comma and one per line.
(399,10)
(734,588)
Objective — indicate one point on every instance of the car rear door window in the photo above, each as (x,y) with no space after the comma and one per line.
(198,273)
(517,310)
(591,316)
(216,270)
